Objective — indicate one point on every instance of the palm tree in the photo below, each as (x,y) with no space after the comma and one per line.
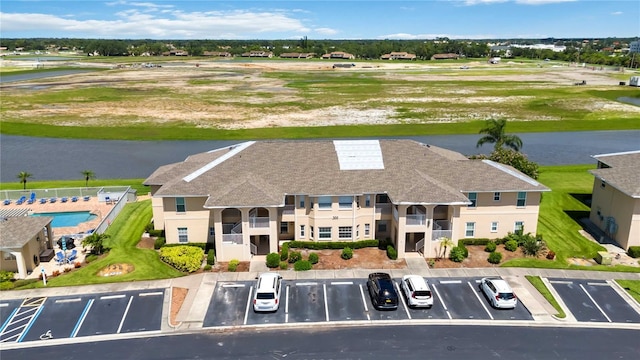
(23,176)
(494,130)
(88,175)
(445,243)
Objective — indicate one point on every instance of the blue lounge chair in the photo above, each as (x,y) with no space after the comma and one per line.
(53,199)
(60,258)
(74,199)
(86,198)
(21,200)
(43,201)
(64,199)
(72,256)
(32,198)
(7,202)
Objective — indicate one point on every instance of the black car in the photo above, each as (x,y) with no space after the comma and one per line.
(382,292)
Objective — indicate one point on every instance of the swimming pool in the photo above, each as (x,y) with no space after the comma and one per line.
(68,218)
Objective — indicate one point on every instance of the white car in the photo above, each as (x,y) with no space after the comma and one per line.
(499,293)
(267,295)
(417,291)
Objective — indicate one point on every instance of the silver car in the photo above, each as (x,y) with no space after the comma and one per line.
(267,295)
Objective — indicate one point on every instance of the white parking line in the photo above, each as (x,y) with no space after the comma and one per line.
(151,293)
(124,316)
(342,283)
(246,312)
(111,297)
(68,300)
(326,304)
(406,308)
(4,304)
(286,306)
(561,282)
(595,303)
(82,317)
(598,284)
(441,301)
(306,284)
(450,281)
(364,302)
(232,285)
(480,300)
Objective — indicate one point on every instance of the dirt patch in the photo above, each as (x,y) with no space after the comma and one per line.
(478,258)
(177,299)
(223,266)
(366,258)
(146,243)
(116,269)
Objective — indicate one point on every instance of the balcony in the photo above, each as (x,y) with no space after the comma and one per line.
(416,219)
(258,222)
(232,239)
(437,234)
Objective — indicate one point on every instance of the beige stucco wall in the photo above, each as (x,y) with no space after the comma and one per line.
(29,250)
(195,219)
(607,202)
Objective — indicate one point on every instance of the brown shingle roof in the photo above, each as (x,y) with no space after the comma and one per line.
(623,173)
(265,171)
(15,232)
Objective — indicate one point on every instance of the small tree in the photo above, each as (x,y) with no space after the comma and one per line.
(96,241)
(88,175)
(494,131)
(23,176)
(445,243)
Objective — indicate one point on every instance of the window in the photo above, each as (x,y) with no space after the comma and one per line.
(603,184)
(311,233)
(496,196)
(284,227)
(324,233)
(344,232)
(212,231)
(367,200)
(382,227)
(9,256)
(367,229)
(302,231)
(180,207)
(182,235)
(346,202)
(383,198)
(324,202)
(301,203)
(470,229)
(473,197)
(518,226)
(522,199)
(494,226)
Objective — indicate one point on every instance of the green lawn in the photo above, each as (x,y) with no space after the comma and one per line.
(537,282)
(134,183)
(125,232)
(632,287)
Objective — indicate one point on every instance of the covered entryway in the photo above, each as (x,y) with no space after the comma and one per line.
(259,244)
(414,242)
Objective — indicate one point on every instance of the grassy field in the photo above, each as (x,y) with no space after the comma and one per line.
(134,183)
(632,287)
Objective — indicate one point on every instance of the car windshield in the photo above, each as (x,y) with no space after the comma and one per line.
(506,296)
(265,296)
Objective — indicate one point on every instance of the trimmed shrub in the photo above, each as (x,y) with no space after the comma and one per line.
(273,260)
(347,253)
(551,255)
(284,265)
(490,247)
(156,233)
(456,254)
(335,245)
(302,265)
(207,267)
(184,258)
(392,253)
(634,251)
(313,258)
(511,245)
(294,256)
(211,257)
(6,285)
(464,249)
(284,252)
(233,265)
(494,257)
(202,246)
(6,276)
(158,243)
(532,246)
(479,241)
(90,258)
(77,264)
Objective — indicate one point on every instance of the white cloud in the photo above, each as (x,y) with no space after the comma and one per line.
(405,36)
(617,13)
(325,31)
(522,2)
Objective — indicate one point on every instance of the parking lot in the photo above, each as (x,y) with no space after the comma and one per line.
(84,315)
(594,300)
(348,300)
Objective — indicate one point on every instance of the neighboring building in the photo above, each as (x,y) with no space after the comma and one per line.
(250,197)
(296,55)
(217,54)
(258,53)
(634,47)
(23,240)
(338,55)
(445,57)
(615,205)
(396,55)
(175,53)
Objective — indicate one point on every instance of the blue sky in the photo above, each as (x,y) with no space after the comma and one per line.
(371,19)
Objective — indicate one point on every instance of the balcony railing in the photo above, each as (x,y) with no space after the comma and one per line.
(258,222)
(441,225)
(437,234)
(416,219)
(288,210)
(383,208)
(232,239)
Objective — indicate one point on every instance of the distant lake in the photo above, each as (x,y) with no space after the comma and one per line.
(7,78)
(64,159)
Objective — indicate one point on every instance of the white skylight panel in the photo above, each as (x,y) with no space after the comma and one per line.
(359,154)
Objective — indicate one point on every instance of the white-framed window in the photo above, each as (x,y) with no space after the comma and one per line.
(311,233)
(367,230)
(180,205)
(522,199)
(496,196)
(324,202)
(518,226)
(473,197)
(358,231)
(212,231)
(324,232)
(494,226)
(367,200)
(302,231)
(345,232)
(284,227)
(345,202)
(183,236)
(470,229)
(301,201)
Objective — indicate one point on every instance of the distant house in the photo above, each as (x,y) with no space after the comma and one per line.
(217,54)
(23,241)
(258,53)
(295,55)
(338,55)
(449,56)
(615,203)
(494,60)
(398,55)
(175,53)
